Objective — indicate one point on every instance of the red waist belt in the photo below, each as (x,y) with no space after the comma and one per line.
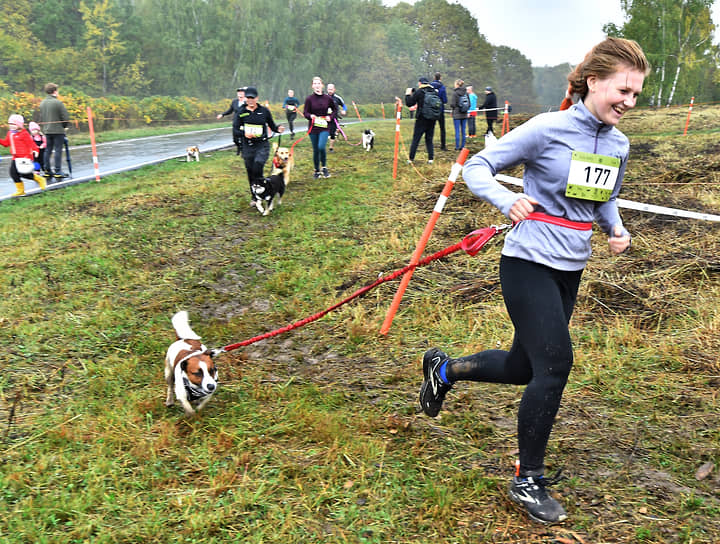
(560,221)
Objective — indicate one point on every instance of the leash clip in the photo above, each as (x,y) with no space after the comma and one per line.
(216,351)
(504,226)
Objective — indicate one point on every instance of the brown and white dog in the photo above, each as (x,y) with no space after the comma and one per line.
(282,162)
(190,372)
(192,153)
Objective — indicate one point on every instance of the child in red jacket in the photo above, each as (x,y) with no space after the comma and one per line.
(22,147)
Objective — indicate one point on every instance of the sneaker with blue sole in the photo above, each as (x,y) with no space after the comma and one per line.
(433,389)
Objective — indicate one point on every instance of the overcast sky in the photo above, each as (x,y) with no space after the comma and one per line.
(548,32)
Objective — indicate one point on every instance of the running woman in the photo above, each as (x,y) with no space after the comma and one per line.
(544,255)
(320,110)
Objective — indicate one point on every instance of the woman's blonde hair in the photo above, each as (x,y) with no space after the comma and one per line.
(459,82)
(604,59)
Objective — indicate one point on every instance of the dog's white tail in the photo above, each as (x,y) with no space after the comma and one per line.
(181,324)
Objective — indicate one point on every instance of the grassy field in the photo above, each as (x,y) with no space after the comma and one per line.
(315,435)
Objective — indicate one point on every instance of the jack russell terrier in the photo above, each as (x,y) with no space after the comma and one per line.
(192,153)
(190,372)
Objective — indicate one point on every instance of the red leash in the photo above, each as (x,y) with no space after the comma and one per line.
(292,147)
(471,244)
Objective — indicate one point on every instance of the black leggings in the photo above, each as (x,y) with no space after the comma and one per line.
(255,156)
(540,301)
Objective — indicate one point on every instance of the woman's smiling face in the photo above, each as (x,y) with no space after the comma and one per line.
(608,99)
(317,85)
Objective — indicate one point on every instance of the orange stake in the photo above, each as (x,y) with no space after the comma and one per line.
(439,205)
(92,141)
(398,107)
(506,121)
(687,121)
(356,111)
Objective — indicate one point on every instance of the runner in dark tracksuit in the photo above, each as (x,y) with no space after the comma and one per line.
(234,108)
(253,123)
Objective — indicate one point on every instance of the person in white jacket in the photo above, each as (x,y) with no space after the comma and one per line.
(574,164)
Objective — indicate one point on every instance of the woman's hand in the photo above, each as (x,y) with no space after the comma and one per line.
(618,242)
(522,207)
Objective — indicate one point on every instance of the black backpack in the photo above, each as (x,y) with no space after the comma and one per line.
(463,103)
(432,107)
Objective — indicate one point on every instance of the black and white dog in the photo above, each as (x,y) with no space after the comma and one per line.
(268,190)
(368,139)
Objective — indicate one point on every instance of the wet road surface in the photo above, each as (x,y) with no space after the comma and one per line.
(120,156)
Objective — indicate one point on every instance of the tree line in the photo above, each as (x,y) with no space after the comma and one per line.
(207,48)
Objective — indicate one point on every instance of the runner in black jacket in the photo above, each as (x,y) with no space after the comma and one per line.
(253,123)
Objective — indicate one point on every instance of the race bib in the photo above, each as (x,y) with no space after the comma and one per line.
(321,122)
(253,131)
(591,176)
(290,107)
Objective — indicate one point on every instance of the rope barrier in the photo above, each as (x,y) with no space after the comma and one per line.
(632,205)
(471,244)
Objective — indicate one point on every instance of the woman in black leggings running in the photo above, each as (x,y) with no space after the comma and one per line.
(545,253)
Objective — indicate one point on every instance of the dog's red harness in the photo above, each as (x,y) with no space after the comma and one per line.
(559,221)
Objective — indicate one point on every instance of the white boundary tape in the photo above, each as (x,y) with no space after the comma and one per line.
(632,205)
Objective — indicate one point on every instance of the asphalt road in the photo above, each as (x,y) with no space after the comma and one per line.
(120,156)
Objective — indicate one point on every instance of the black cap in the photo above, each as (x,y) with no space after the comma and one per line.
(240,89)
(424,80)
(250,92)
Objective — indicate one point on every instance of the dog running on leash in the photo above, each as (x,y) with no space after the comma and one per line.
(368,139)
(282,162)
(268,190)
(190,372)
(192,153)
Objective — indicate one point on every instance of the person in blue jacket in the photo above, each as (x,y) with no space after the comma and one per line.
(291,105)
(472,114)
(574,162)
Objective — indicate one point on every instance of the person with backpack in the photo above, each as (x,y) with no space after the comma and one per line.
(429,109)
(440,88)
(460,105)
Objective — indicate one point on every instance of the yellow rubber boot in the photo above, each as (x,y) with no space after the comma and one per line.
(20,189)
(40,180)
